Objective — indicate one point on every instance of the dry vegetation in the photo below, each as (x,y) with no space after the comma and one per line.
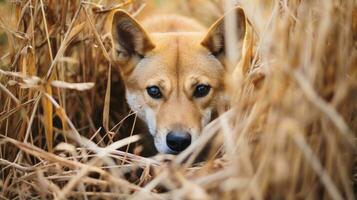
(292,135)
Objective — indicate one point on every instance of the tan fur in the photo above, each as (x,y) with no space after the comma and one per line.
(176,54)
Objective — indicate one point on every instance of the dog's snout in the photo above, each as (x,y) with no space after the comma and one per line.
(178,141)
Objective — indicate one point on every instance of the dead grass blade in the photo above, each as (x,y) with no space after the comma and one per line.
(48,117)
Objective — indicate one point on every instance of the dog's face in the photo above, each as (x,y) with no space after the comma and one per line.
(174,81)
(174,88)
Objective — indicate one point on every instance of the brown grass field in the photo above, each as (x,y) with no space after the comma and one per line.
(67,133)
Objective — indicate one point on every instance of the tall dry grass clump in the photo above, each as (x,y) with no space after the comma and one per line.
(289,134)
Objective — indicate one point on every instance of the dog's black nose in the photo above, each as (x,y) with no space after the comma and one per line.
(178,141)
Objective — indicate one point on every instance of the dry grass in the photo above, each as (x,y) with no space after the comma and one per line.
(292,135)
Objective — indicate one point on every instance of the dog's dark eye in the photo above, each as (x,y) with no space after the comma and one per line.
(154,92)
(201,90)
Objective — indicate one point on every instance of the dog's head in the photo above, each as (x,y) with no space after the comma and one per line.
(174,80)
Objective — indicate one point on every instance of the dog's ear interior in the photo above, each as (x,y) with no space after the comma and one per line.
(214,40)
(129,38)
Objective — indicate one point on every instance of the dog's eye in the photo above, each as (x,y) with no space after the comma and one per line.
(154,92)
(201,90)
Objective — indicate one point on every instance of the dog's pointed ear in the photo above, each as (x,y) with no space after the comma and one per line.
(214,40)
(129,38)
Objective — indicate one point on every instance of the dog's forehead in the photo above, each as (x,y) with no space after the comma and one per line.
(177,56)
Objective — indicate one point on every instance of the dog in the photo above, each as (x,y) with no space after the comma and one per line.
(175,73)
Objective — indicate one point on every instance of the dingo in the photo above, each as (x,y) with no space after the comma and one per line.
(174,73)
